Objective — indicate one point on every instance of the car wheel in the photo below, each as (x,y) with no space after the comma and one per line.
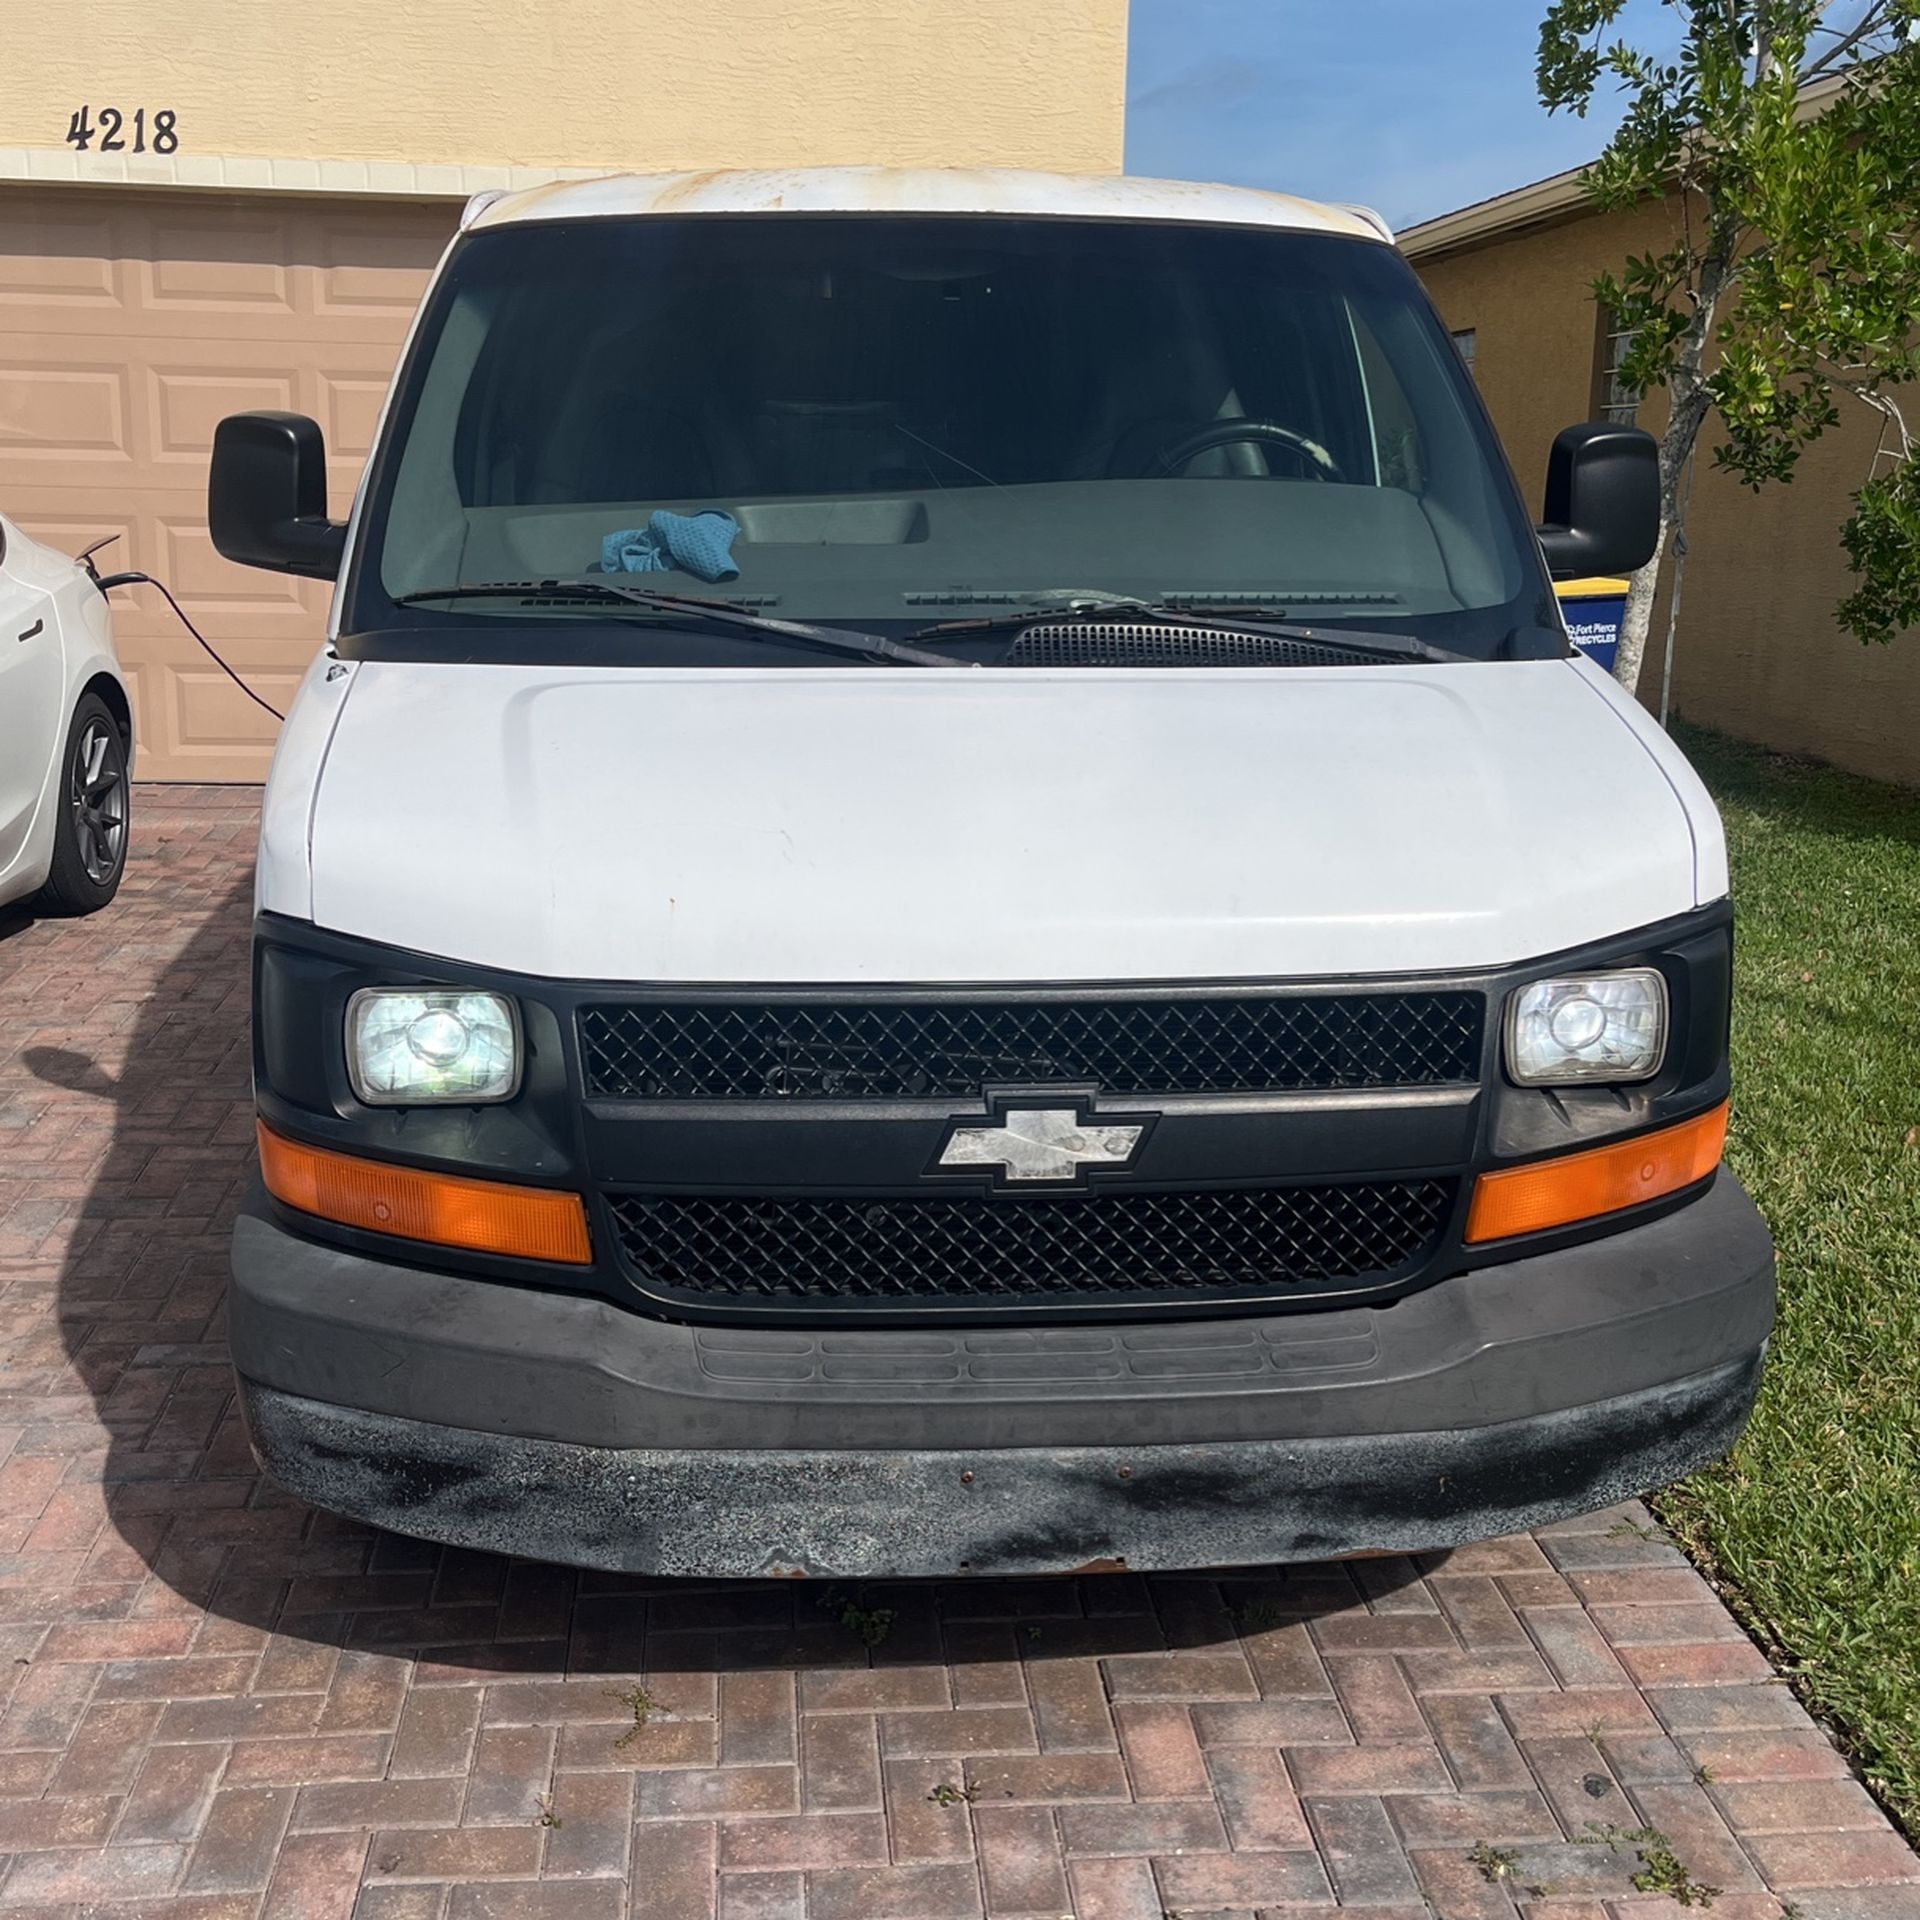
(90,834)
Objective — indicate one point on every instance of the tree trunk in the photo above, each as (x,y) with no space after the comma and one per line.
(1689,408)
(1642,584)
(1687,405)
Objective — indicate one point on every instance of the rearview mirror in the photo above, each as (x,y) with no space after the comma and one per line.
(1603,500)
(267,495)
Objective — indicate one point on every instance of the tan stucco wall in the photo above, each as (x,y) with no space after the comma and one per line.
(1757,652)
(585,83)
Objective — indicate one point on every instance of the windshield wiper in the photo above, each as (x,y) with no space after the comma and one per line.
(1215,617)
(872,646)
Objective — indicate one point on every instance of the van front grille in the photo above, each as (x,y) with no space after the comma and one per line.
(1110,1246)
(722,1048)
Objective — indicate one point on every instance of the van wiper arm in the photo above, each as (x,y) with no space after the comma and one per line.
(1216,617)
(1402,646)
(871,646)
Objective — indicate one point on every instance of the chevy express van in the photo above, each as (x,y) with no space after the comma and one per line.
(948,901)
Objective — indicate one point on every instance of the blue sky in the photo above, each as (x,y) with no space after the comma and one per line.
(1411,106)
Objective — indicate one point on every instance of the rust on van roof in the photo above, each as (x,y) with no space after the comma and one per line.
(921,190)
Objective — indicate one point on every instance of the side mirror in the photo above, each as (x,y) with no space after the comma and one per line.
(1603,500)
(267,495)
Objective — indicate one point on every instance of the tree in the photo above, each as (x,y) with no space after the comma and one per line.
(1785,134)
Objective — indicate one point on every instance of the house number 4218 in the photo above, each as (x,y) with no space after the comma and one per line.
(113,127)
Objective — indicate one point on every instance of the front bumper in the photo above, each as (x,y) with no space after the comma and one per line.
(563,1427)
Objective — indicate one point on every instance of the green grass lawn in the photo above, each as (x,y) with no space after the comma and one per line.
(1812,1527)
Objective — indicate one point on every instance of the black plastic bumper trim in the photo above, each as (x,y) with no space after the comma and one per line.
(1676,1296)
(906,1514)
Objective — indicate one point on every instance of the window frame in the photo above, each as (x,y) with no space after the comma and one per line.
(1612,401)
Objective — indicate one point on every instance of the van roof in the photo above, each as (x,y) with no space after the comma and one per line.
(1074,196)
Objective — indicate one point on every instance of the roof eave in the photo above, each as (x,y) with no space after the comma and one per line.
(1560,196)
(1541,203)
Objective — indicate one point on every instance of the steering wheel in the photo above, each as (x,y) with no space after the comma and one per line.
(1318,462)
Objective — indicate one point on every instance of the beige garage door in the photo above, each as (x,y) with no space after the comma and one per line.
(130,321)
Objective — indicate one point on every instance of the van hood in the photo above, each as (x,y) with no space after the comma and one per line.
(848,824)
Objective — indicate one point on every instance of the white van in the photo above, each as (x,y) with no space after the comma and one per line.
(948,901)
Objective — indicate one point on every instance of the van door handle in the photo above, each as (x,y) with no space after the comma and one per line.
(32,630)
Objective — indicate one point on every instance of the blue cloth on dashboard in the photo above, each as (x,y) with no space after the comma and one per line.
(696,543)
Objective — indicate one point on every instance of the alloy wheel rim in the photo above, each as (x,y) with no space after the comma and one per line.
(97,792)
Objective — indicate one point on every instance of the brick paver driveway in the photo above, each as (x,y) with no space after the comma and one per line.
(218,1703)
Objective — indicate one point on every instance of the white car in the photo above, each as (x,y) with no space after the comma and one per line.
(66,733)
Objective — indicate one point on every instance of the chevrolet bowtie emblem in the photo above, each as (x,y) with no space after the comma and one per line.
(1042,1143)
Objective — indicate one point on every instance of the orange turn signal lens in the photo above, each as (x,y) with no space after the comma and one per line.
(483,1216)
(1579,1186)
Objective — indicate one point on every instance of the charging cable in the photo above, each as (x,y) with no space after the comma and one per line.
(107,581)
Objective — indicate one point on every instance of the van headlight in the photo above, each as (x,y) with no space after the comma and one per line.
(412,1047)
(1588,1028)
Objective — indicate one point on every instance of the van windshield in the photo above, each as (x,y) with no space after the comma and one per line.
(894,420)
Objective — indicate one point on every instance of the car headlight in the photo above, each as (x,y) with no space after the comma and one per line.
(1588,1028)
(412,1047)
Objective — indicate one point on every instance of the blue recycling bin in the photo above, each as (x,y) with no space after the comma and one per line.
(1595,611)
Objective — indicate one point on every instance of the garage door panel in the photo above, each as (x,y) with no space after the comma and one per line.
(189,275)
(131,321)
(212,727)
(59,265)
(212,714)
(371,268)
(63,419)
(188,404)
(193,720)
(347,405)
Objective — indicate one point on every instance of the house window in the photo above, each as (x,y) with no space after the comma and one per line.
(1618,401)
(1464,340)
